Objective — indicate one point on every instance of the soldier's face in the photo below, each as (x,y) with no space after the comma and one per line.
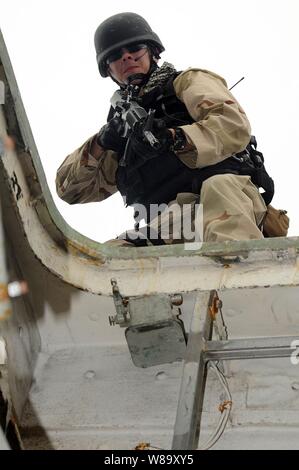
(129,63)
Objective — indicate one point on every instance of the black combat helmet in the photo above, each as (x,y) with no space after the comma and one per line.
(119,31)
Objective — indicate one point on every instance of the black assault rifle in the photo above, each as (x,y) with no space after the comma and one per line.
(133,116)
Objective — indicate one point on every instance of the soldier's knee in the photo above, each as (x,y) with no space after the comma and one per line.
(216,183)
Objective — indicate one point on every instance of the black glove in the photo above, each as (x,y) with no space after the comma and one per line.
(143,149)
(109,136)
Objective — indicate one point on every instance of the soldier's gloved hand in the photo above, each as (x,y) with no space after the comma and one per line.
(144,150)
(109,136)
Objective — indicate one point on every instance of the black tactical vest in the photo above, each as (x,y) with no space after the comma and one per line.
(160,179)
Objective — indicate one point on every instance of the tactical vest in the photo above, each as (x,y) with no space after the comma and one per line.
(160,179)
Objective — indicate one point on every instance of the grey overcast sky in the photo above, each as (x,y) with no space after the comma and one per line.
(51,48)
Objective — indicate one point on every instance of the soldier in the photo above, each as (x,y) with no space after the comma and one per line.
(203,134)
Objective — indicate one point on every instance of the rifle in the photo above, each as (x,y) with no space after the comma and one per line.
(133,116)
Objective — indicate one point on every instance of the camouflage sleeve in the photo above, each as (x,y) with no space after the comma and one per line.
(87,174)
(221,127)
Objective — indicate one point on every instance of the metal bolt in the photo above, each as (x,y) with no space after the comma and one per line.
(90,374)
(282,255)
(161,375)
(13,289)
(295,386)
(17,288)
(176,299)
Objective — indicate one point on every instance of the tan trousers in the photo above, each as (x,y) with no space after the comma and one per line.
(233,209)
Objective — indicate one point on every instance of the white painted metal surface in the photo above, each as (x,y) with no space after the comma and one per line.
(103,402)
(87,393)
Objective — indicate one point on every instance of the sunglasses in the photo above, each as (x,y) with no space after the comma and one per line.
(116,55)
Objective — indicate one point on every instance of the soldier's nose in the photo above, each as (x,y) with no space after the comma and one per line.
(126,54)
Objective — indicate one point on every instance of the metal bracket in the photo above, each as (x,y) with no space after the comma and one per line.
(154,332)
(122,317)
(215,310)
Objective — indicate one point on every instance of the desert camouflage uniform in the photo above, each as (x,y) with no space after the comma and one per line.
(232,205)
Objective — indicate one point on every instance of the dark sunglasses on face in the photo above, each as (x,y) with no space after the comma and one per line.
(116,55)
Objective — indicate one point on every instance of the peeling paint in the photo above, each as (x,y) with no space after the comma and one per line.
(6,314)
(3,292)
(85,253)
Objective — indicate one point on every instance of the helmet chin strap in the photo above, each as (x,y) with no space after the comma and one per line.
(135,76)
